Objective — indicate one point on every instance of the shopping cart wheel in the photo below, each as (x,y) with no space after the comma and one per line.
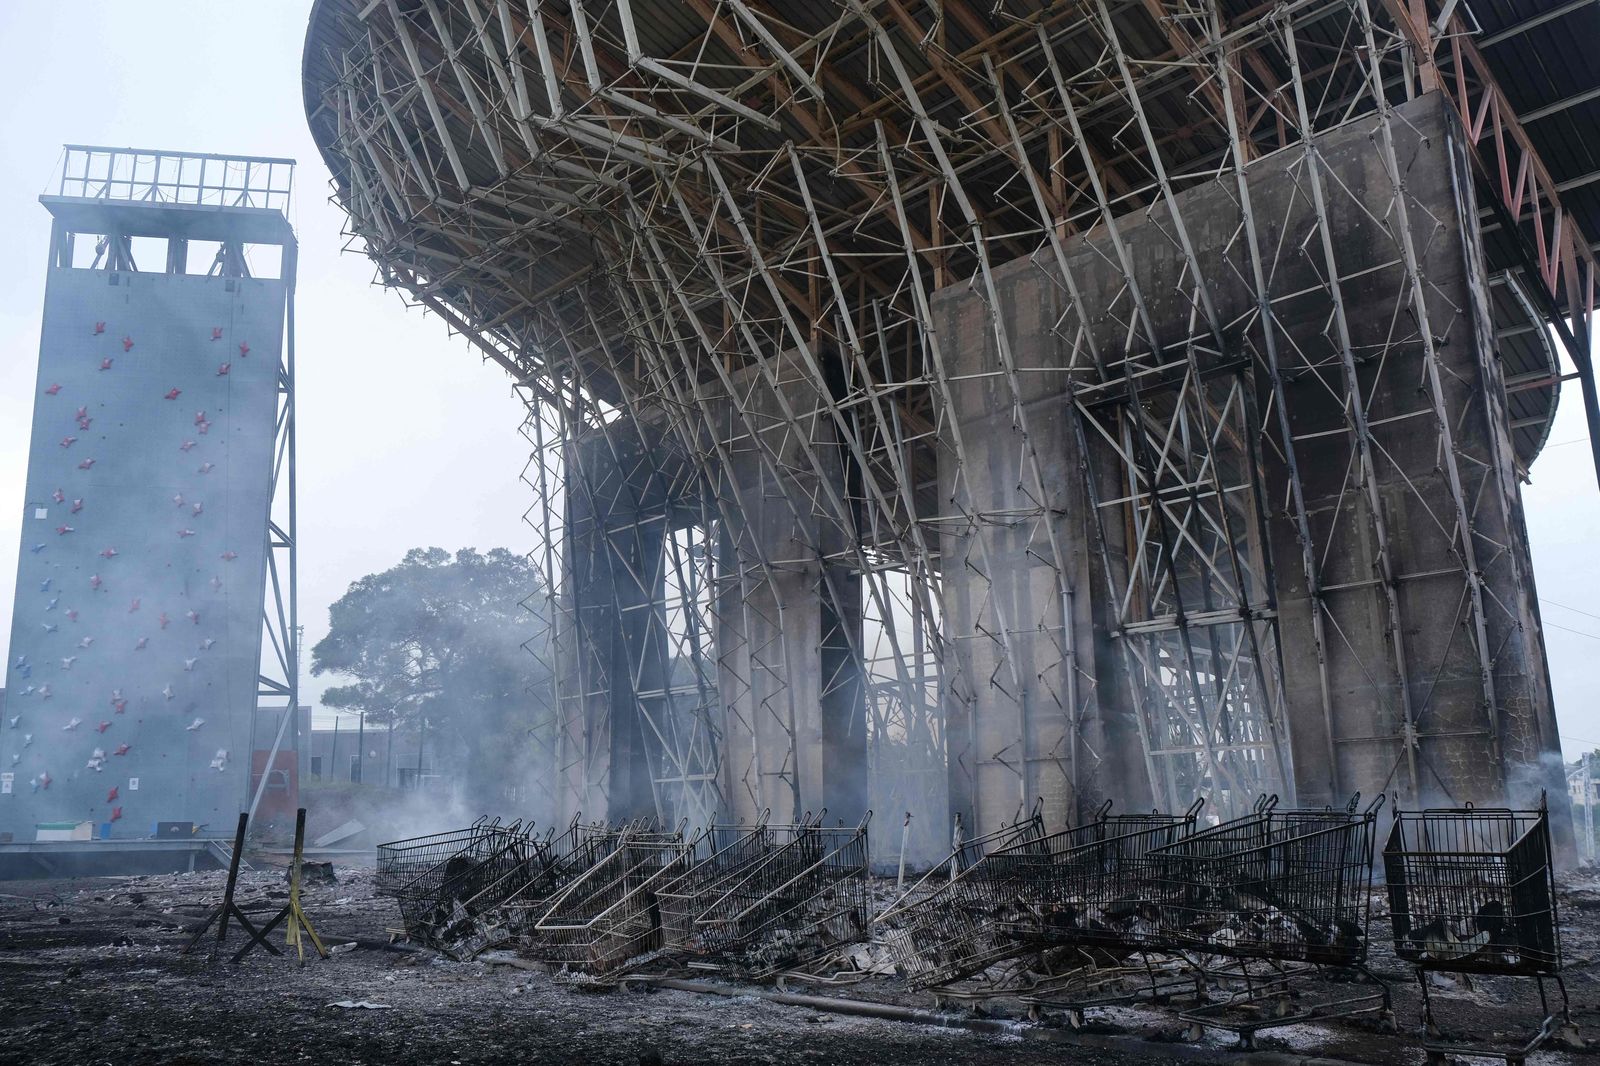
(1075,1018)
(1386,1022)
(1195,1033)
(1035,1013)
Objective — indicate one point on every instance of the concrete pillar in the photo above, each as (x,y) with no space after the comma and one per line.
(625,490)
(1386,688)
(1027,714)
(788,618)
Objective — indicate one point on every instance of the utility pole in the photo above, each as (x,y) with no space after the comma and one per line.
(1586,781)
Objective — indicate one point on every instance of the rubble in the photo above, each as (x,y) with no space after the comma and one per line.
(142,998)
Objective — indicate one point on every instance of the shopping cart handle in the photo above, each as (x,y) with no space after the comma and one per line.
(1376,805)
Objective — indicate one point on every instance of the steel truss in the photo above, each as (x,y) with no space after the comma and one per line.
(705,238)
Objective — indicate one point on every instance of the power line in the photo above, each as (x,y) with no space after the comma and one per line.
(1579,632)
(1574,610)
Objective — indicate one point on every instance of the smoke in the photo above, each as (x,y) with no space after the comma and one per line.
(442,647)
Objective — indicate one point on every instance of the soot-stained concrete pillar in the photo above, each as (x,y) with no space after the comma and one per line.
(788,616)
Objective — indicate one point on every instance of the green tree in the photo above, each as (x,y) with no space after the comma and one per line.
(436,645)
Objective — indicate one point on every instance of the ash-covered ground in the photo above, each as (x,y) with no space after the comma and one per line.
(91,971)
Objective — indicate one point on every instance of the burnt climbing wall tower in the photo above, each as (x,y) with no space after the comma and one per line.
(143,637)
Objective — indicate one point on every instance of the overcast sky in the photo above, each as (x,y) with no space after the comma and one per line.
(406,438)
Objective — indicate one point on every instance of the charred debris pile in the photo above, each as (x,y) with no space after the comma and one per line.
(1241,924)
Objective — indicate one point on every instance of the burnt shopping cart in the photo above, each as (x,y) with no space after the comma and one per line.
(400,861)
(1472,891)
(610,913)
(801,901)
(557,861)
(444,883)
(941,929)
(1086,891)
(515,894)
(1262,903)
(732,852)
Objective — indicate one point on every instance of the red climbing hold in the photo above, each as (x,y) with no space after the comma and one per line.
(127,343)
(62,531)
(185,533)
(173,393)
(199,418)
(216,333)
(59,496)
(186,445)
(67,442)
(86,464)
(206,468)
(222,371)
(116,814)
(244,349)
(229,556)
(122,749)
(162,621)
(105,364)
(44,780)
(102,727)
(52,390)
(107,553)
(111,795)
(99,328)
(134,606)
(81,413)
(77,505)
(193,616)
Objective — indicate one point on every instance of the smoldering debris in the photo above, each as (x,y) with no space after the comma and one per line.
(1253,923)
(112,976)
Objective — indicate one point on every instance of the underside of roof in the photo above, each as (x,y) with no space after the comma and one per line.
(476,180)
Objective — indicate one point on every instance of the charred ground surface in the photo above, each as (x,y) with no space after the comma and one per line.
(90,971)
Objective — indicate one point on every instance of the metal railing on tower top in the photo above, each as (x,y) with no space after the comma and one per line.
(137,174)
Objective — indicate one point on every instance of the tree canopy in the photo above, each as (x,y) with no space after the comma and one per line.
(436,644)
